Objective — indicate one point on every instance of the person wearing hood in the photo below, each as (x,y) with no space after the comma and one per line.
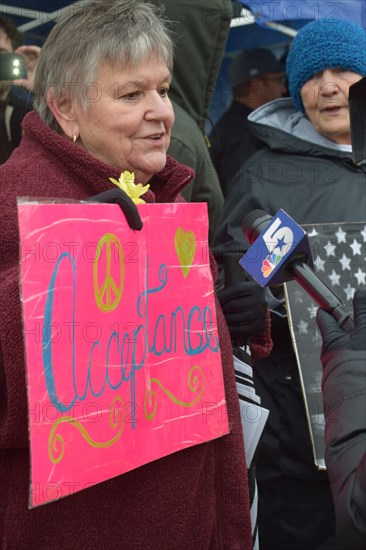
(305,167)
(201,29)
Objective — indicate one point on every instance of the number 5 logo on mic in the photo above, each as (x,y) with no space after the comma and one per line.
(279,241)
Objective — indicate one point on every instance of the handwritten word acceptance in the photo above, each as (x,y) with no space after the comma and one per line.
(129,377)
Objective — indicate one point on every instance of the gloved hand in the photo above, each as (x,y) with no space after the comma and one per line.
(245,310)
(335,338)
(128,207)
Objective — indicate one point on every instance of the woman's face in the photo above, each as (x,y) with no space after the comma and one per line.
(325,100)
(129,119)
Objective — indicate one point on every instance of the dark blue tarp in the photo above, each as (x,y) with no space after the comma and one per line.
(279,10)
(293,14)
(290,13)
(24,15)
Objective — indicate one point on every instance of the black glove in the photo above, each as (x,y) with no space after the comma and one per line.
(245,310)
(128,207)
(334,337)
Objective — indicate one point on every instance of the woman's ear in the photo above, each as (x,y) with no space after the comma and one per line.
(63,109)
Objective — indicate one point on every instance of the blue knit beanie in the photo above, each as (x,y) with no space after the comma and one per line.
(324,44)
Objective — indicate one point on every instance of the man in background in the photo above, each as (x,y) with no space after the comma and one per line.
(256,78)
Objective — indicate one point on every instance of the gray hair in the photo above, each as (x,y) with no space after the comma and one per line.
(119,32)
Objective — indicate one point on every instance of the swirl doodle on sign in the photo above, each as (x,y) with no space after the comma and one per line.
(56,442)
(195,383)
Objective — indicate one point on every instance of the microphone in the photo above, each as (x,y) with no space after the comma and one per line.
(280,252)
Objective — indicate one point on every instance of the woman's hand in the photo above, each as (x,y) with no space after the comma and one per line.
(245,309)
(128,207)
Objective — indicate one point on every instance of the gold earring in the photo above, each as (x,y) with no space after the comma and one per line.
(74,138)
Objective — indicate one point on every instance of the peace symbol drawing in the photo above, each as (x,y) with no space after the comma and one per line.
(185,246)
(109,272)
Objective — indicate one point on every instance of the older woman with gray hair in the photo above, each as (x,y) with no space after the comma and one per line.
(102,106)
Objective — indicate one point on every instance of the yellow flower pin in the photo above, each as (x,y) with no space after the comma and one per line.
(134,190)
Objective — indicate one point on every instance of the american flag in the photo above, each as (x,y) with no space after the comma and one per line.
(339,256)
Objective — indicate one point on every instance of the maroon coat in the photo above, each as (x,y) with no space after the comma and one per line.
(194,499)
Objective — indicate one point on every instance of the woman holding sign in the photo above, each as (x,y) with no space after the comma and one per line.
(103,116)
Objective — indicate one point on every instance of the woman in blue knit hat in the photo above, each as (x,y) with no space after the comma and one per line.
(325,59)
(306,168)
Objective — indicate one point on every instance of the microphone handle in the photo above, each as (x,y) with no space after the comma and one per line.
(320,293)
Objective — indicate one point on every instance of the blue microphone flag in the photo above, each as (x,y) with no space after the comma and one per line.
(281,240)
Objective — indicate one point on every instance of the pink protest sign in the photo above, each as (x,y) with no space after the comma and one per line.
(122,351)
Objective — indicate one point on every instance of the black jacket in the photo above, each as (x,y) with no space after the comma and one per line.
(344,396)
(200,33)
(314,181)
(17,105)
(232,142)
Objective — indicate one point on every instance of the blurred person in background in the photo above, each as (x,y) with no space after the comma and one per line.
(14,105)
(256,77)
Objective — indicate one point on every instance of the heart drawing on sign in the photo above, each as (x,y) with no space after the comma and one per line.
(185,246)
